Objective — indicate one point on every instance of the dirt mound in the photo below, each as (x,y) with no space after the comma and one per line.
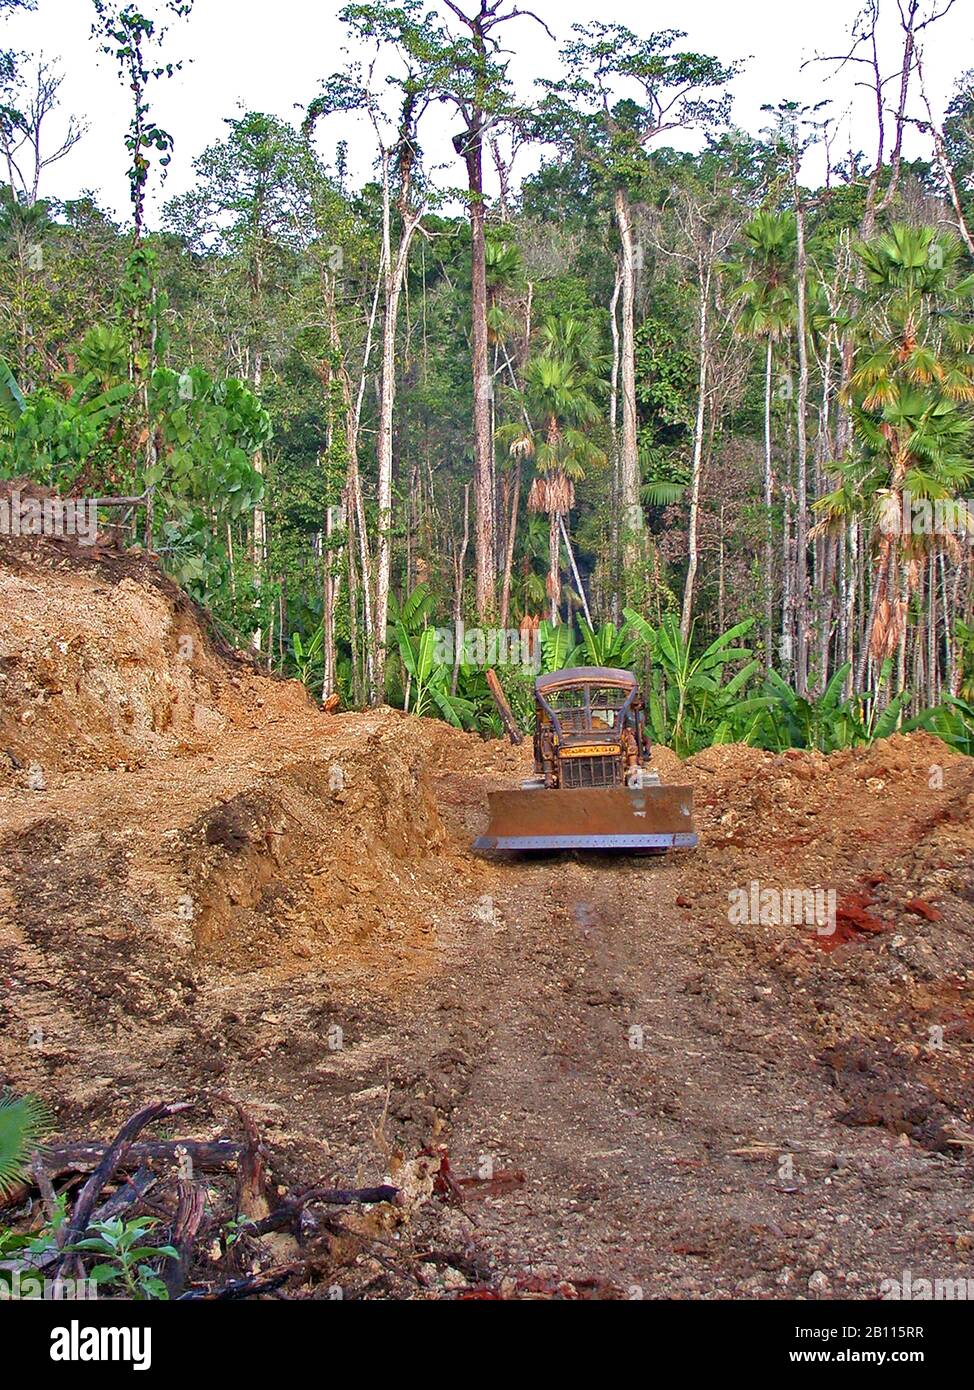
(883,990)
(345,850)
(104,663)
(801,804)
(173,822)
(884,834)
(311,849)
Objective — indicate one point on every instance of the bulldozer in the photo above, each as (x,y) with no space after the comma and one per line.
(592,786)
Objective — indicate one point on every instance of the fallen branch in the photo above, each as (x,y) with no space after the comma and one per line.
(266,1282)
(130,1192)
(251,1178)
(190,1210)
(73,1229)
(59,1160)
(503,708)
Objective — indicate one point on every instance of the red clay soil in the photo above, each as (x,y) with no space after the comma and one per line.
(205,881)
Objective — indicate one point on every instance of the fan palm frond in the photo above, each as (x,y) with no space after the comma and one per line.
(24,1123)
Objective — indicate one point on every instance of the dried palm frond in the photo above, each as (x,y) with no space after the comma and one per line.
(560,491)
(887,629)
(538,495)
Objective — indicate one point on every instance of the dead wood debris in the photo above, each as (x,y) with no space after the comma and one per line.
(217,1225)
(239,1234)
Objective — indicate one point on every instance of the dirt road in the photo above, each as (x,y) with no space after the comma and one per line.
(676,1137)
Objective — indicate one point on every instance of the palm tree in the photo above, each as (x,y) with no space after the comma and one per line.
(910,393)
(532,591)
(764,290)
(505,277)
(560,389)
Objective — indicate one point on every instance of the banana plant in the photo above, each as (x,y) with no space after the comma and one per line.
(557,644)
(826,723)
(688,697)
(414,611)
(607,646)
(952,721)
(881,723)
(428,690)
(307,656)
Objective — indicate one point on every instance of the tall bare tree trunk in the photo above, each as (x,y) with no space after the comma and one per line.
(687,615)
(574,568)
(387,398)
(354,506)
(260,516)
(395,274)
(509,553)
(826,584)
(630,503)
(459,565)
(721,563)
(554,566)
(801,481)
(478,95)
(471,146)
(787,653)
(358,678)
(615,562)
(768,518)
(329,602)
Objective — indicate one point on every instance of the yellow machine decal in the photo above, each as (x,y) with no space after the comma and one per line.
(596,750)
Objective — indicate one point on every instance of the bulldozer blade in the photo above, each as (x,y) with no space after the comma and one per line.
(615,818)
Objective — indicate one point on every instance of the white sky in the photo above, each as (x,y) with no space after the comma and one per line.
(251,54)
